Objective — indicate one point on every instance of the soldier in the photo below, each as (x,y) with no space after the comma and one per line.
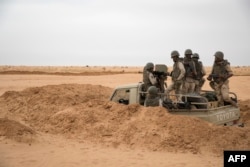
(148,77)
(190,75)
(199,80)
(221,71)
(177,74)
(152,98)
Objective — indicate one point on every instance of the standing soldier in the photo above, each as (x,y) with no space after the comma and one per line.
(148,77)
(177,74)
(221,71)
(199,80)
(189,81)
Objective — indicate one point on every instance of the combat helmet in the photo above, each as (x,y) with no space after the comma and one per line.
(152,90)
(219,55)
(175,54)
(196,55)
(149,66)
(188,52)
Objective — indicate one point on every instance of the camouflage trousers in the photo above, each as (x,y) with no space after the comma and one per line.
(198,85)
(176,86)
(222,93)
(188,86)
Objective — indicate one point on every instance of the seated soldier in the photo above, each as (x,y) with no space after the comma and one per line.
(152,99)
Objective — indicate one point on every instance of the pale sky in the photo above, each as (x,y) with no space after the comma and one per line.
(122,32)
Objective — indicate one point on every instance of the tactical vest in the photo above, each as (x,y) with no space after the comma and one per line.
(176,71)
(220,70)
(198,67)
(189,68)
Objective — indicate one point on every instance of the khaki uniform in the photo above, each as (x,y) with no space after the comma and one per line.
(188,85)
(199,80)
(189,81)
(177,78)
(221,85)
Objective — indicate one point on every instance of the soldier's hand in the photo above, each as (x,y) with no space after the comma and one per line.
(209,78)
(170,74)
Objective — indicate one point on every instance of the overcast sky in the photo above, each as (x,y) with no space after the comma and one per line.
(122,32)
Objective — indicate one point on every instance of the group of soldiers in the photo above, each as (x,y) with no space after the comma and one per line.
(188,78)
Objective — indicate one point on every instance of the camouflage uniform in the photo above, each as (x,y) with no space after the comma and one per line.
(220,73)
(177,74)
(148,77)
(152,98)
(190,75)
(199,80)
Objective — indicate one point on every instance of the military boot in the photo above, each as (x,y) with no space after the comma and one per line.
(233,103)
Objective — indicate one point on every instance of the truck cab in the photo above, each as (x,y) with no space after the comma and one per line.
(201,106)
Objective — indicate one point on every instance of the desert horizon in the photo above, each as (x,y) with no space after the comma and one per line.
(96,70)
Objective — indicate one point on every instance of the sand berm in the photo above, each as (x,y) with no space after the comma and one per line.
(83,112)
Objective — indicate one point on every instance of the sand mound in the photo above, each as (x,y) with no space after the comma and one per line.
(83,112)
(14,130)
(245,112)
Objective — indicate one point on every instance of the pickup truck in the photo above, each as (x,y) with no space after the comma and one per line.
(201,106)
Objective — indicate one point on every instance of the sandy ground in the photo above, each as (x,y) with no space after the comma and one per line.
(48,120)
(57,151)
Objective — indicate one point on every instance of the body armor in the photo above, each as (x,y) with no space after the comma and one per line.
(220,71)
(190,68)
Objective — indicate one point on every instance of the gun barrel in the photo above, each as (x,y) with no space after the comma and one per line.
(159,73)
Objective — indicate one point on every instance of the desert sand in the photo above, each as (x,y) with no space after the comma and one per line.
(67,120)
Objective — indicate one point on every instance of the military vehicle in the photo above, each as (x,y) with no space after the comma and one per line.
(204,106)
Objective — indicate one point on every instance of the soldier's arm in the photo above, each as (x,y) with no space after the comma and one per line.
(229,71)
(152,79)
(182,69)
